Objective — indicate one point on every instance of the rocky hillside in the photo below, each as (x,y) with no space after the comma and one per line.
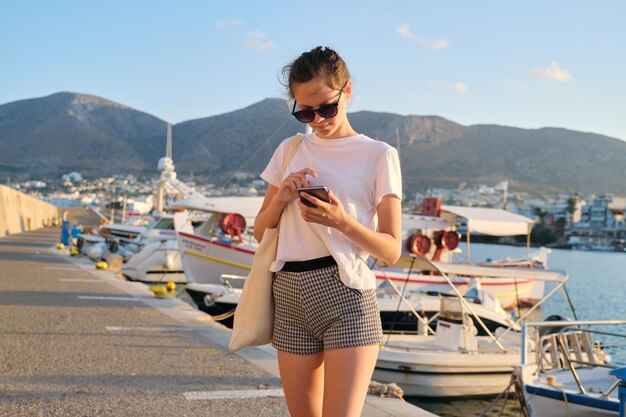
(68,131)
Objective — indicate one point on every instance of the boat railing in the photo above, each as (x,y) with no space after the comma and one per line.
(427,329)
(480,273)
(560,284)
(227,278)
(568,345)
(464,303)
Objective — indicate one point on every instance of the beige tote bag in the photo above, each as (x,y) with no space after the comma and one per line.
(254,317)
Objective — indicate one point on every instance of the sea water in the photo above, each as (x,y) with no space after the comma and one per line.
(596,287)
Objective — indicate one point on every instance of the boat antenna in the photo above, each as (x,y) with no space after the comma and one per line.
(168,149)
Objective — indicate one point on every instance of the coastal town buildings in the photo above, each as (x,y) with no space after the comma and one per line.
(577,221)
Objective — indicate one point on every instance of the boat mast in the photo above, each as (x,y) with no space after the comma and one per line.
(166,166)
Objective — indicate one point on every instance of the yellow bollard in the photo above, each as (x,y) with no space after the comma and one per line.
(101,265)
(160,291)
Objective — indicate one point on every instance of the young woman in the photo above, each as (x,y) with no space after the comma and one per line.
(327,324)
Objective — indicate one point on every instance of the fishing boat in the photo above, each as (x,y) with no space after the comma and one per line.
(454,360)
(567,372)
(434,235)
(224,243)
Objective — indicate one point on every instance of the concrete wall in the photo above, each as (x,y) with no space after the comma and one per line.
(20,212)
(80,215)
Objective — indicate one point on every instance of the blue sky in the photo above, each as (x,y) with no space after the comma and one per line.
(527,64)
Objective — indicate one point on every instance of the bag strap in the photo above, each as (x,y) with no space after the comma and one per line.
(292,147)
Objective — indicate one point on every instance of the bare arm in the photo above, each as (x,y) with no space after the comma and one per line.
(269,214)
(384,244)
(277,198)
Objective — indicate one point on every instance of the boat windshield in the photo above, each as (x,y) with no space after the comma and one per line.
(162,224)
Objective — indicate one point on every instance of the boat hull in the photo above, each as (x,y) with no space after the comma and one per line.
(213,309)
(426,371)
(543,402)
(206,260)
(156,262)
(508,291)
(441,385)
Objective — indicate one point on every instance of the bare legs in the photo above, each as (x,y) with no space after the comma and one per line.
(303,382)
(330,384)
(348,374)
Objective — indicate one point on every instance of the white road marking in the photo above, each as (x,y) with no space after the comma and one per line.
(148,329)
(218,395)
(80,280)
(60,268)
(94,297)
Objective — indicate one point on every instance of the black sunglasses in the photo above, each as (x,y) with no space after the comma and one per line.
(326,111)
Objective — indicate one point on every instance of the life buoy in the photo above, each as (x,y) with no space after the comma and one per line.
(418,245)
(450,239)
(445,240)
(438,239)
(233,224)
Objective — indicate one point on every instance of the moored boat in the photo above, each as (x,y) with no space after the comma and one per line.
(456,361)
(567,373)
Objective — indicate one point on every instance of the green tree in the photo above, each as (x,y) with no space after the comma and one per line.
(572,202)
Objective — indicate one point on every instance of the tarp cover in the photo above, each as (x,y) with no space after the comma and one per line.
(248,207)
(490,221)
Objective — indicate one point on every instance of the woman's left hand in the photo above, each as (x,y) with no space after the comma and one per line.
(328,214)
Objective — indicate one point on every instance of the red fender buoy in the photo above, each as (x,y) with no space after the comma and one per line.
(233,224)
(450,240)
(438,239)
(418,245)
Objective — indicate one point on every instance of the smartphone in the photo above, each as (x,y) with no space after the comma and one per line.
(318,191)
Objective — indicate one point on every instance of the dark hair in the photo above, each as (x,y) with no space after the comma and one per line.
(320,61)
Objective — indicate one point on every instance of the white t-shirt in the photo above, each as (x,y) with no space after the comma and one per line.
(360,171)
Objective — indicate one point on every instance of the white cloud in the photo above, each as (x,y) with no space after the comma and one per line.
(436,43)
(258,41)
(405,31)
(460,88)
(228,22)
(553,72)
(257,34)
(445,86)
(514,83)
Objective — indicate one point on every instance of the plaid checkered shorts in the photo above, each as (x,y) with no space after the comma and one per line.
(315,311)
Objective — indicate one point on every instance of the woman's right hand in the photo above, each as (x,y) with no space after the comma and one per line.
(288,190)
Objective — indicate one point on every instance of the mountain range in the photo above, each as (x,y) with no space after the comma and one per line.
(77,132)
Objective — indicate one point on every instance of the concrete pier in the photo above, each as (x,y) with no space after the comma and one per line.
(76,341)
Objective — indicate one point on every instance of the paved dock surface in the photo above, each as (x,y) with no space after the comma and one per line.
(79,342)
